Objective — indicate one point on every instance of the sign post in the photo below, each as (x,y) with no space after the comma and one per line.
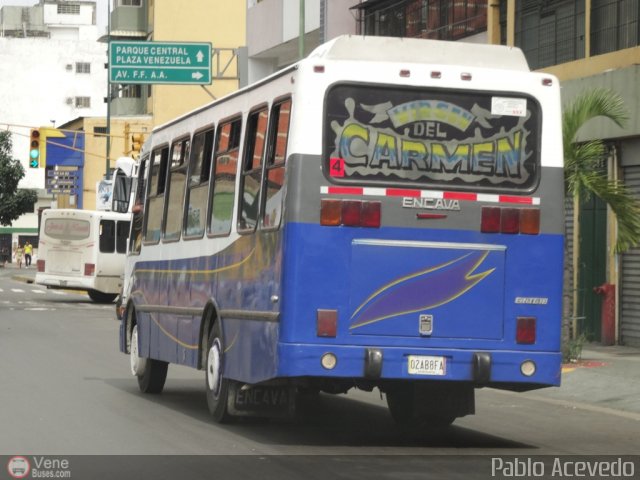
(160,63)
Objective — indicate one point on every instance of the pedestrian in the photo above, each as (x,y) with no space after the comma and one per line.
(4,255)
(28,251)
(19,252)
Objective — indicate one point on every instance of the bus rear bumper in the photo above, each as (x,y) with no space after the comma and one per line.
(483,367)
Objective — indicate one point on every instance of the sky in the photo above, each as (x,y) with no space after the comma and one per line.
(101,13)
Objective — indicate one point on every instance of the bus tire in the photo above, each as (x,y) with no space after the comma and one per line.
(411,409)
(217,386)
(100,297)
(151,374)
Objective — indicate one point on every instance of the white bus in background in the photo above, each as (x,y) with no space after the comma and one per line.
(83,250)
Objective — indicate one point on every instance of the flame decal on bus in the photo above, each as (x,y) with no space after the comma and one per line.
(422,290)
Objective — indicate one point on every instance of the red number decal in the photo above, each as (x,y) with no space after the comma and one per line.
(336,167)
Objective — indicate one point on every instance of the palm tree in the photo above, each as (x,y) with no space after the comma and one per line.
(583,178)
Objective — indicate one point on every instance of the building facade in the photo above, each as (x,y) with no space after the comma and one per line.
(56,67)
(589,44)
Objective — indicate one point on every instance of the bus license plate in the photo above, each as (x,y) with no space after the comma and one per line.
(424,365)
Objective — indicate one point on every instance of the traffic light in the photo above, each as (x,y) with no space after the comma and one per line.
(137,140)
(34,148)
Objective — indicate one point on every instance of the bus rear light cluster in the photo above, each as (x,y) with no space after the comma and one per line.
(510,220)
(350,213)
(89,269)
(40,265)
(326,323)
(526,330)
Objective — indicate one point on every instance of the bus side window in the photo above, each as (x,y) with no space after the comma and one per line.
(276,155)
(157,178)
(224,177)
(122,233)
(176,186)
(137,216)
(198,184)
(107,236)
(252,170)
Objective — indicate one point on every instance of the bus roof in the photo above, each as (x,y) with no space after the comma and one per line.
(417,50)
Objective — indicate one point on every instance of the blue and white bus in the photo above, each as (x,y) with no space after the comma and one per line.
(387,213)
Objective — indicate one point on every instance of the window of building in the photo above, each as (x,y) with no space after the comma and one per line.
(130,91)
(225,164)
(129,3)
(68,9)
(550,33)
(436,19)
(614,25)
(198,185)
(99,131)
(83,67)
(176,185)
(83,102)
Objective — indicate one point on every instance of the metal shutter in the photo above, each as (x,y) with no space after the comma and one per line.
(630,282)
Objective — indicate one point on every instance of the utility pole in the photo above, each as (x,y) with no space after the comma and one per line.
(301,32)
(108,137)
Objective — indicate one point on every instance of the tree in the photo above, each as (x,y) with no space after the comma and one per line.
(584,178)
(14,202)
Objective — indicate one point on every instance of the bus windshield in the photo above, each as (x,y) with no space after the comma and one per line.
(432,138)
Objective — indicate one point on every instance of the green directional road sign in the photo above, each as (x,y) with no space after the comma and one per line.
(160,62)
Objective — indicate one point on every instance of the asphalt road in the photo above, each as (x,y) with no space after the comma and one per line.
(66,390)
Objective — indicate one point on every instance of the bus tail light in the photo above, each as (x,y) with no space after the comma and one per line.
(526,330)
(490,222)
(530,221)
(40,265)
(331,212)
(350,213)
(371,213)
(510,220)
(89,269)
(326,323)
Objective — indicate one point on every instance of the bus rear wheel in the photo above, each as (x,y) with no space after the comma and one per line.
(100,297)
(151,374)
(217,386)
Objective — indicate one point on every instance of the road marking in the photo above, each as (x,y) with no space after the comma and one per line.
(17,290)
(39,291)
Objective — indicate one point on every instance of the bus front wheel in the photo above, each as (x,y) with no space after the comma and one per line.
(100,297)
(151,374)
(217,386)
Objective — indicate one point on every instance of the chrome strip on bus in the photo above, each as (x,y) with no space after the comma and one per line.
(190,311)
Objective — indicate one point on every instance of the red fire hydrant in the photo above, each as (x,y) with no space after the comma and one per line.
(608,316)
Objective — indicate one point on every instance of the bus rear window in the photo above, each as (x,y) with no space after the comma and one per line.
(432,138)
(67,228)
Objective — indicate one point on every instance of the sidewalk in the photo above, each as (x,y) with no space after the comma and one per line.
(23,274)
(606,377)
